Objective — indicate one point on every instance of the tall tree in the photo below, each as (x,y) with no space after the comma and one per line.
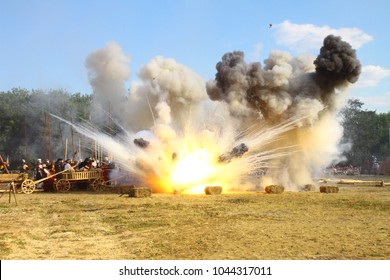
(366,132)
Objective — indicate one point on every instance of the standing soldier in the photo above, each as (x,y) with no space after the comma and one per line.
(23,168)
(59,166)
(48,183)
(68,165)
(39,173)
(39,170)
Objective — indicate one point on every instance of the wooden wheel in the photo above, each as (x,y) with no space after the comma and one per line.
(98,185)
(62,185)
(28,186)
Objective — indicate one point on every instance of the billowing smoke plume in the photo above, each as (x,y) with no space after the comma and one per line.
(336,64)
(285,86)
(291,87)
(108,70)
(181,132)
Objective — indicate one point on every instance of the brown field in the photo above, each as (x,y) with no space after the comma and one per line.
(352,224)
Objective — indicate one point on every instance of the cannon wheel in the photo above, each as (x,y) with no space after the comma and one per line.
(62,185)
(28,186)
(98,185)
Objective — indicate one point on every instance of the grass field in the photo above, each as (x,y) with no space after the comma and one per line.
(352,224)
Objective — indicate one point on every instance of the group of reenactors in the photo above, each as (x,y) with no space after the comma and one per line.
(46,169)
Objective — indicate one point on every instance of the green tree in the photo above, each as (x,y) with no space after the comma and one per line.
(366,131)
(23,122)
(14,105)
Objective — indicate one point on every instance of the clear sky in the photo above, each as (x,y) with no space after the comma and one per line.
(44,44)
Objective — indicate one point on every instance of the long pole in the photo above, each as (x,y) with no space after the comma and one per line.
(25,136)
(44,136)
(66,149)
(109,127)
(93,144)
(72,135)
(80,157)
(62,139)
(50,146)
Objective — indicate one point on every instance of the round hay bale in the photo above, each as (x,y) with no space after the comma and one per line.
(213,190)
(274,189)
(122,189)
(140,192)
(329,189)
(176,191)
(307,188)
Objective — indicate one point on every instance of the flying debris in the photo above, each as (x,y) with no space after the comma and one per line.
(236,152)
(141,142)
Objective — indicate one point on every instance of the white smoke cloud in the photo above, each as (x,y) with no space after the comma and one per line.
(256,55)
(167,90)
(307,37)
(372,75)
(108,71)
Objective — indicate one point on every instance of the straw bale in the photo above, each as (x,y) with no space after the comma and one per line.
(274,189)
(122,189)
(176,191)
(140,192)
(329,189)
(213,190)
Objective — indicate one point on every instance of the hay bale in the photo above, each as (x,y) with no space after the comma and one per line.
(140,192)
(213,190)
(329,189)
(307,188)
(122,189)
(176,191)
(274,189)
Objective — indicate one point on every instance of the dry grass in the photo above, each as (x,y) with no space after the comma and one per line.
(351,224)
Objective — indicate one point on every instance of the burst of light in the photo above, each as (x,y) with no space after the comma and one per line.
(190,164)
(266,181)
(192,170)
(199,189)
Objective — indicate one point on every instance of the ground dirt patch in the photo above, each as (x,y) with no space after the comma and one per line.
(351,224)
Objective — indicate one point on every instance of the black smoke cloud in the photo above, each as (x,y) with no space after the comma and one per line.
(336,64)
(309,89)
(285,86)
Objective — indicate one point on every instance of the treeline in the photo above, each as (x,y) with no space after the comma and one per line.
(366,132)
(27,129)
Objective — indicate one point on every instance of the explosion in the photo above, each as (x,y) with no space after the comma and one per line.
(181,133)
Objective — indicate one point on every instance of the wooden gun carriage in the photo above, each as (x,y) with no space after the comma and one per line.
(94,178)
(20,180)
(63,182)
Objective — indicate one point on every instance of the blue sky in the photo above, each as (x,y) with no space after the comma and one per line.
(44,44)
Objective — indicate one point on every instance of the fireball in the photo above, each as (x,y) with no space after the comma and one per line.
(191,171)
